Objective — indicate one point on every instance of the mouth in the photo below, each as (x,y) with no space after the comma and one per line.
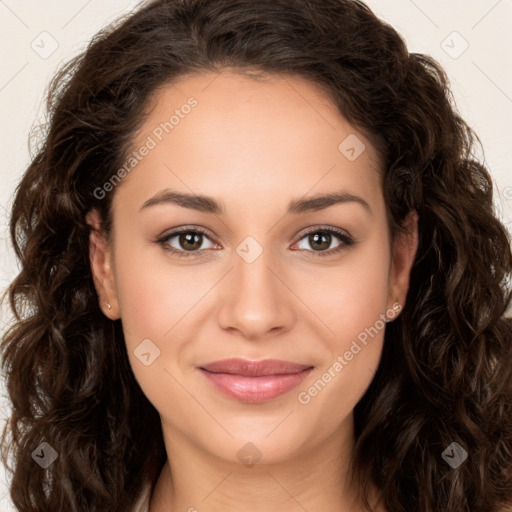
(254,381)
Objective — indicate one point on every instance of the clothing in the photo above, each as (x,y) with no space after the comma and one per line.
(142,504)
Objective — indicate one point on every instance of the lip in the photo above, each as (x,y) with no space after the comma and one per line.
(248,368)
(254,381)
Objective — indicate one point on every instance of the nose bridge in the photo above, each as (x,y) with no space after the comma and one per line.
(255,300)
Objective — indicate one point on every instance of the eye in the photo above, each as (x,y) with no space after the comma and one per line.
(320,240)
(188,240)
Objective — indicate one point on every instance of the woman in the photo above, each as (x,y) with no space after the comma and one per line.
(260,270)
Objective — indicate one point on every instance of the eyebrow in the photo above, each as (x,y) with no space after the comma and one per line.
(207,204)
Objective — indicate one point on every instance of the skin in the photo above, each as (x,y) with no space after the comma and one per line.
(254,146)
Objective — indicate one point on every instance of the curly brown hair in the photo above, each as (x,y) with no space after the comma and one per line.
(446,369)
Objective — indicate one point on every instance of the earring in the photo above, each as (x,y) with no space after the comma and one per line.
(388,320)
(109,306)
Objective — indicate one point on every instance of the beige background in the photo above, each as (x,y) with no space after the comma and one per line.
(480,76)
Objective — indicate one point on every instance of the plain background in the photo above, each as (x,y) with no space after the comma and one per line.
(470,38)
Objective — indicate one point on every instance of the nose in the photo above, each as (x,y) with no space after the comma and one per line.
(255,299)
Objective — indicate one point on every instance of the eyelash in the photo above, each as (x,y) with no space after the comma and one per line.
(346,240)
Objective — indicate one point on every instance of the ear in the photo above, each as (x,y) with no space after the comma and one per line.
(404,251)
(100,256)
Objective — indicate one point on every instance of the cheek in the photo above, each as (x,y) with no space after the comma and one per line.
(352,352)
(152,304)
(352,296)
(153,294)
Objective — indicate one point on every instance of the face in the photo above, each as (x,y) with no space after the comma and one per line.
(251,276)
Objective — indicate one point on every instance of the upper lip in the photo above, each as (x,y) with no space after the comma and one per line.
(250,368)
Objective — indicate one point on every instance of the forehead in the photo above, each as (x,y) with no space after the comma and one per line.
(276,134)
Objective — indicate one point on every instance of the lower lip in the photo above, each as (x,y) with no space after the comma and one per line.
(255,389)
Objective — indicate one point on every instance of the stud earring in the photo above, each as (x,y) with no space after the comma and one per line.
(389,320)
(109,306)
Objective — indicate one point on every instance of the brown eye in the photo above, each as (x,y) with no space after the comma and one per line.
(321,239)
(190,241)
(186,240)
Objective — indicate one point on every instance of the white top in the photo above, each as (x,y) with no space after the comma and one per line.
(142,505)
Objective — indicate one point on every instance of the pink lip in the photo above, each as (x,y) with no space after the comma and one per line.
(254,381)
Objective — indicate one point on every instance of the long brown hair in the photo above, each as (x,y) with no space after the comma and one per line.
(445,375)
